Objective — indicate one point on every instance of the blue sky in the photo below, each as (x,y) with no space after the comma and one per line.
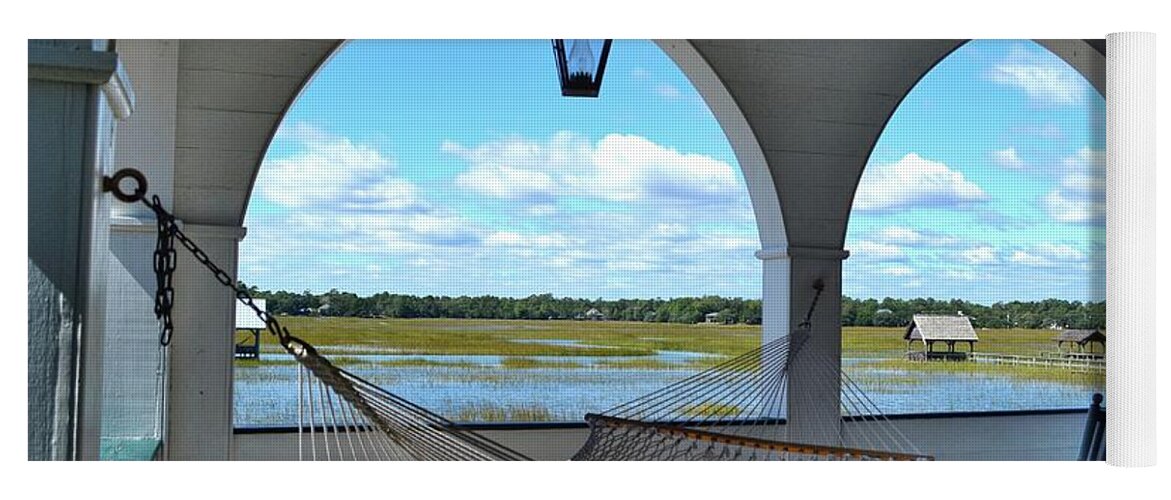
(456,168)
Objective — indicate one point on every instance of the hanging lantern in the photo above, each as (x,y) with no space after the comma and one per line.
(580,65)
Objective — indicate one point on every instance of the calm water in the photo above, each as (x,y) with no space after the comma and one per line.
(267,395)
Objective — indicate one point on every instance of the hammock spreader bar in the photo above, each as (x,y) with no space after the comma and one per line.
(838,452)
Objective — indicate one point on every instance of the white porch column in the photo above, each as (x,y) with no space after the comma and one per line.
(774,302)
(775,294)
(134,388)
(814,410)
(200,409)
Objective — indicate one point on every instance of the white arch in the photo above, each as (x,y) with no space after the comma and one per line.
(766,205)
(749,155)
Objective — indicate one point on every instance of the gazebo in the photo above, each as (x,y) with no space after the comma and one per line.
(947,329)
(1083,339)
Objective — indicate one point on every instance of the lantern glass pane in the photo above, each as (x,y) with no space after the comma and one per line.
(582,61)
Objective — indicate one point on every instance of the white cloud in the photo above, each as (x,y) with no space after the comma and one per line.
(672,231)
(386,195)
(1008,158)
(1081,196)
(1028,259)
(1064,209)
(508,183)
(1086,158)
(629,167)
(541,209)
(877,251)
(914,181)
(897,235)
(1042,76)
(979,255)
(668,91)
(901,235)
(961,274)
(1083,183)
(898,270)
(514,239)
(335,174)
(1061,252)
(1050,130)
(618,167)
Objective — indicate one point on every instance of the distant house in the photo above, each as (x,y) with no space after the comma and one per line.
(946,329)
(1083,339)
(595,315)
(712,317)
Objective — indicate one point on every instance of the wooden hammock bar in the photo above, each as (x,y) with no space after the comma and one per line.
(750,442)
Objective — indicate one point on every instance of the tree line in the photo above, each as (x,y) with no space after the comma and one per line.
(855,312)
(1046,313)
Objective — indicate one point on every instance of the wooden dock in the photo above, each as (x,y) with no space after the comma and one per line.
(1072,361)
(937,355)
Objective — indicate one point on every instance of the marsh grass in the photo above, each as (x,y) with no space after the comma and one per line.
(711,410)
(500,337)
(627,345)
(641,363)
(877,342)
(531,363)
(423,362)
(1024,372)
(488,412)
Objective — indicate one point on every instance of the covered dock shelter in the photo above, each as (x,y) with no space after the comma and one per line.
(949,330)
(1084,340)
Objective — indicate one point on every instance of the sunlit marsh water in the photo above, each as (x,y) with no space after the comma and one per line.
(565,388)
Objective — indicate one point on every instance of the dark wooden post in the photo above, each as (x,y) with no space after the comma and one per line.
(1093,440)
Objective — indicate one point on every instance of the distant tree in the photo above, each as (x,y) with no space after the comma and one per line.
(889,311)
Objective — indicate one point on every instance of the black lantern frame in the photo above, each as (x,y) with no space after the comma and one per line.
(580,85)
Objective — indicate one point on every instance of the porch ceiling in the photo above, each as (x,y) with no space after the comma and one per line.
(232,95)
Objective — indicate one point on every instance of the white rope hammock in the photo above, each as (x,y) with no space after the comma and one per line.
(737,411)
(361,421)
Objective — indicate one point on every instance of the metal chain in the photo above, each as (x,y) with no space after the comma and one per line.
(166,260)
